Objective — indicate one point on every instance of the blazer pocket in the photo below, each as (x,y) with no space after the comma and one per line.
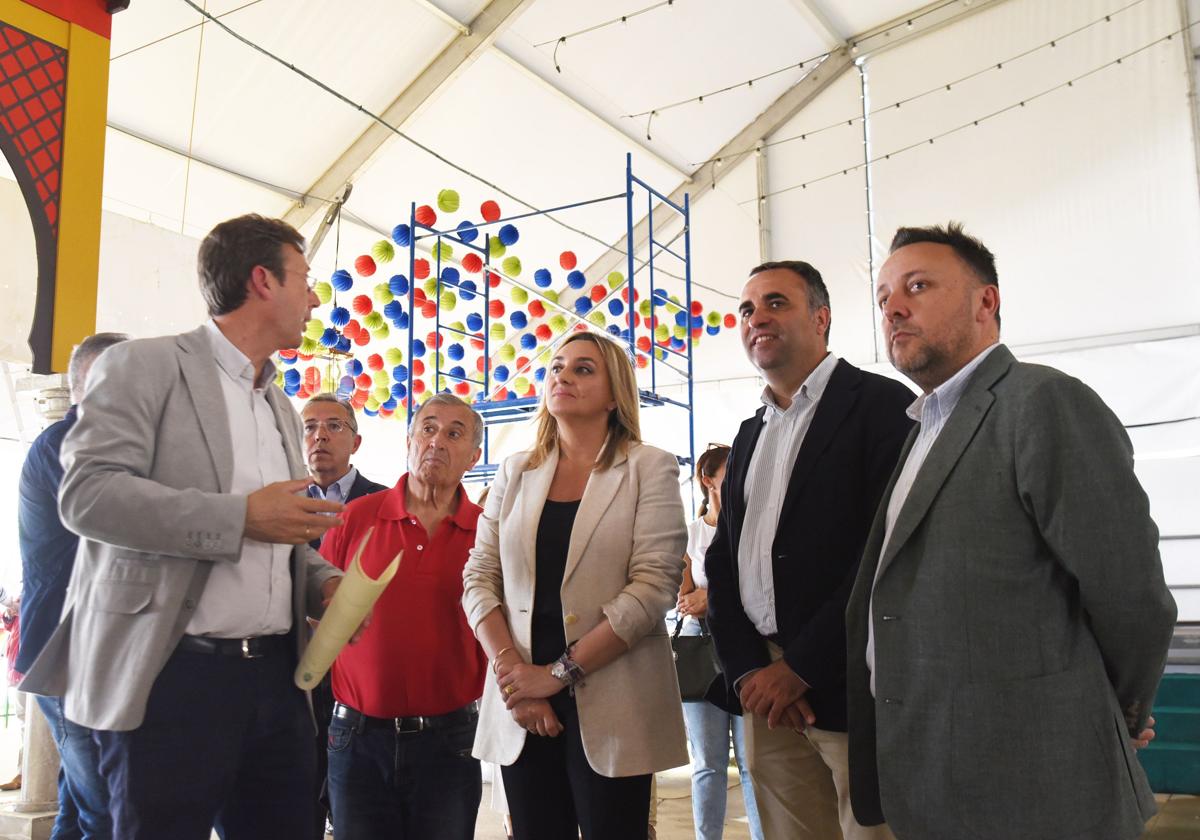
(1028,757)
(124,597)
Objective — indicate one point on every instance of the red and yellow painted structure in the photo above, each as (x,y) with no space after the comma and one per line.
(53,103)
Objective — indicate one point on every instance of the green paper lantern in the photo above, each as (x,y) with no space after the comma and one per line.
(323,291)
(383,251)
(615,278)
(393,356)
(447,201)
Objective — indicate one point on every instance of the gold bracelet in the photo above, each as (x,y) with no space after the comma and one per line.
(496,659)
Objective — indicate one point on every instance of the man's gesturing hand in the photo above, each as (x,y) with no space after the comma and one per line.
(281,513)
(771,691)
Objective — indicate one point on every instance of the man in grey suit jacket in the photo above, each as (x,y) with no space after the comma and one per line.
(185,479)
(1010,621)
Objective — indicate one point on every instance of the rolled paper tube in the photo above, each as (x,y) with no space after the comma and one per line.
(352,602)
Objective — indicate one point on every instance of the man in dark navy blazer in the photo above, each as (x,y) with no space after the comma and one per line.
(330,438)
(804,478)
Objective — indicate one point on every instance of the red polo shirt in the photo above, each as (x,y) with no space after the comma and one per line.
(418,656)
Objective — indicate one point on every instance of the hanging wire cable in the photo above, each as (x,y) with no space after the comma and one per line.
(622,19)
(978,120)
(180,32)
(944,86)
(341,97)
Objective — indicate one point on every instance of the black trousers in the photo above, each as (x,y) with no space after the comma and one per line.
(226,743)
(553,793)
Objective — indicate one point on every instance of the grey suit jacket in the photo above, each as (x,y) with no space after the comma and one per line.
(148,468)
(1021,624)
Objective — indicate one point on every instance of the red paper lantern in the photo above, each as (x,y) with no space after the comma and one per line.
(375,361)
(287,354)
(642,361)
(477,343)
(697,332)
(419,296)
(362,305)
(599,291)
(531,391)
(385,412)
(536,308)
(361,338)
(364,265)
(462,388)
(472,263)
(496,308)
(418,367)
(304,357)
(730,321)
(429,308)
(351,329)
(697,308)
(501,395)
(479,364)
(522,362)
(433,340)
(543,332)
(493,279)
(420,268)
(418,387)
(567,260)
(364,381)
(426,216)
(643,343)
(581,326)
(490,211)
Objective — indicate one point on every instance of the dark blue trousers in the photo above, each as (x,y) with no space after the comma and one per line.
(227,743)
(82,792)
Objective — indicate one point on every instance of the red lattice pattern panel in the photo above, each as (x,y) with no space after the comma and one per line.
(33,93)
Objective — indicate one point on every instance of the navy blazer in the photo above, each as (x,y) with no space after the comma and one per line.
(839,476)
(361,486)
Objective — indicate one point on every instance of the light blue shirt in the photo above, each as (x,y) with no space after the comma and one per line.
(336,492)
(931,411)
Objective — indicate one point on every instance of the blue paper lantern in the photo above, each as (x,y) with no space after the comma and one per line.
(576,279)
(681,319)
(346,383)
(340,316)
(399,391)
(518,319)
(330,337)
(400,373)
(401,321)
(613,329)
(389,404)
(615,307)
(398,285)
(697,321)
(474,322)
(528,341)
(454,352)
(542,277)
(450,276)
(393,310)
(458,372)
(466,289)
(343,345)
(677,343)
(354,367)
(712,330)
(540,374)
(418,348)
(583,304)
(291,390)
(466,232)
(288,361)
(499,373)
(291,376)
(369,412)
(508,235)
(341,280)
(402,235)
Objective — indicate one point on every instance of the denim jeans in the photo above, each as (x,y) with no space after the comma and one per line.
(708,732)
(403,786)
(82,791)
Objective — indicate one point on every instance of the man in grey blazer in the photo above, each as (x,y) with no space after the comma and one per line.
(1010,621)
(184,477)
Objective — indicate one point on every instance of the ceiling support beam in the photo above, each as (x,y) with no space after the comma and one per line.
(924,20)
(456,57)
(819,18)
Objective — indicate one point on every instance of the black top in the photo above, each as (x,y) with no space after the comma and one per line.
(553,538)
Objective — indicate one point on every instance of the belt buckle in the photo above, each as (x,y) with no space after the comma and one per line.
(421,724)
(246,654)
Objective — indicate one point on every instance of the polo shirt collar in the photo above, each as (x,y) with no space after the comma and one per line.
(393,506)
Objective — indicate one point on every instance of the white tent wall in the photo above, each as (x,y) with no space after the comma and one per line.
(18,269)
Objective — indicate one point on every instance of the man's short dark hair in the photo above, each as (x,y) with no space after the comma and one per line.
(345,404)
(818,295)
(231,251)
(970,250)
(82,357)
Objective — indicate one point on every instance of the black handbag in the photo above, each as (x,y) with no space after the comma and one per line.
(695,661)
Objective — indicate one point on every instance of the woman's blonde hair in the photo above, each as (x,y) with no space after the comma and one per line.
(623,425)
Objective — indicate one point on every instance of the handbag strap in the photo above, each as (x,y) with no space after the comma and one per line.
(704,632)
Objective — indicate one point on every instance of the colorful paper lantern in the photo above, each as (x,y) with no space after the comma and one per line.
(508,234)
(383,251)
(490,211)
(447,201)
(467,232)
(364,265)
(402,235)
(425,216)
(576,280)
(536,308)
(472,263)
(567,260)
(615,278)
(542,278)
(341,280)
(323,291)
(420,268)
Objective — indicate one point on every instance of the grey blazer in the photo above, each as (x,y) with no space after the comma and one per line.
(147,473)
(1021,624)
(624,564)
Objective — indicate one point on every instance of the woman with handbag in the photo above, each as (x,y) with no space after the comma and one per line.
(709,728)
(575,564)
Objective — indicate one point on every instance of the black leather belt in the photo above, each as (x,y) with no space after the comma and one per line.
(254,647)
(353,717)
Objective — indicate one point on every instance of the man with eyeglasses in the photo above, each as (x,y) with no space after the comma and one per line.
(330,438)
(185,614)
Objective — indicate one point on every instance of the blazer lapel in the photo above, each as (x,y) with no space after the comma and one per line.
(947,449)
(285,422)
(535,487)
(597,496)
(200,373)
(741,467)
(839,397)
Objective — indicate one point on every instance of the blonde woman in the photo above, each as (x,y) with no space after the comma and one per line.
(576,562)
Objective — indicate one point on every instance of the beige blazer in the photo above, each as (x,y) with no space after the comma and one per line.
(624,565)
(148,470)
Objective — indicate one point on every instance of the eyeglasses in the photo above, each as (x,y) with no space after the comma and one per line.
(333,427)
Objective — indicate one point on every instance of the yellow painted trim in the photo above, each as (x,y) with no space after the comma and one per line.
(36,22)
(80,198)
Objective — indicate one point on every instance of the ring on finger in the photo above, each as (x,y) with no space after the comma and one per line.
(510,690)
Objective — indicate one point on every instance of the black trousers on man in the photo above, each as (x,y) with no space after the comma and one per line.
(227,743)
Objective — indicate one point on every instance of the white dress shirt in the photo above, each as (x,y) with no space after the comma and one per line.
(931,411)
(700,537)
(252,597)
(767,481)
